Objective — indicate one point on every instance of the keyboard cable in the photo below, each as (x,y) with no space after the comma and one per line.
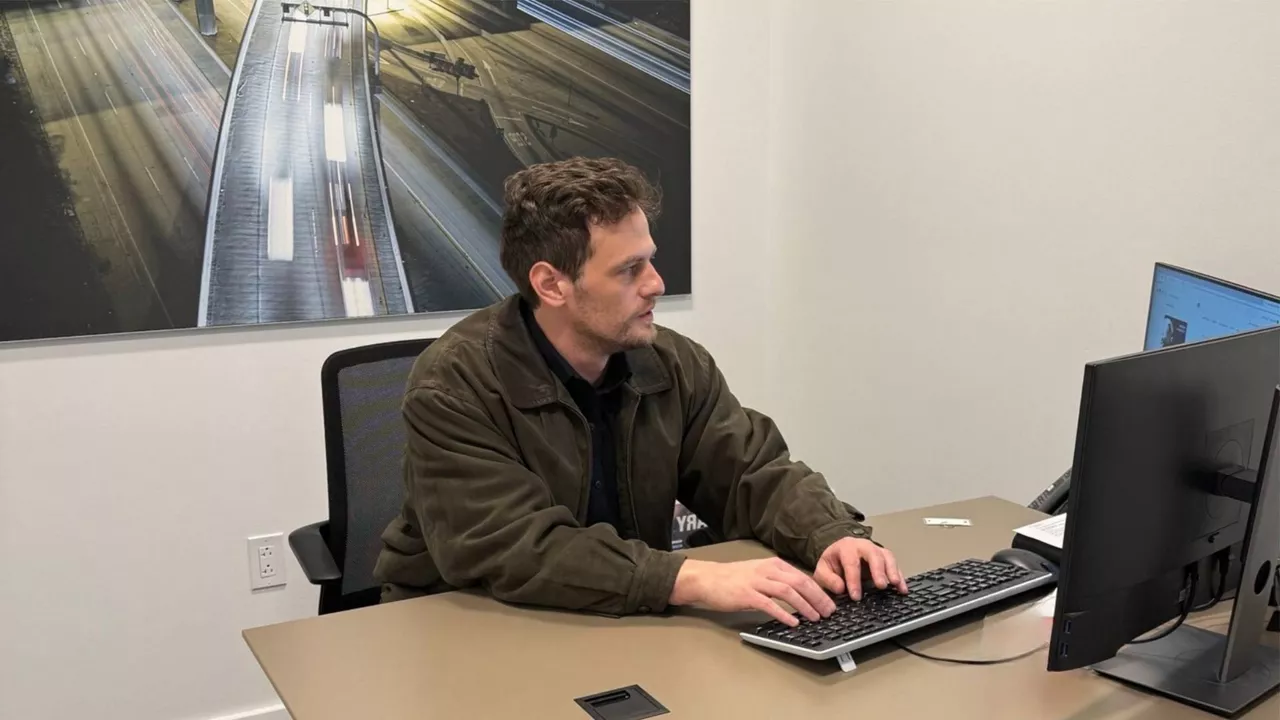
(969,661)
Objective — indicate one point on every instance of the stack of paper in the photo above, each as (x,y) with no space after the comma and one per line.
(1043,537)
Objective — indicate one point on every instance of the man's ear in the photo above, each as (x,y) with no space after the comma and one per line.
(549,283)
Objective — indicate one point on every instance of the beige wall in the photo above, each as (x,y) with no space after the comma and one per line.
(973,196)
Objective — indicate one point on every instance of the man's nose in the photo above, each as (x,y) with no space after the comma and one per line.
(655,285)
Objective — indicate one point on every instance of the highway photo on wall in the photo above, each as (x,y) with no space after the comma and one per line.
(169,164)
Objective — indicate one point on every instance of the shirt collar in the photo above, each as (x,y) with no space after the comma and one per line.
(616,372)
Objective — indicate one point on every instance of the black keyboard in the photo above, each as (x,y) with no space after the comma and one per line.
(881,614)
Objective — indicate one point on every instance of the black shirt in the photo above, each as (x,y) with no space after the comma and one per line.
(599,404)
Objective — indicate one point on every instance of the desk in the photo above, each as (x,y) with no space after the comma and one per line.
(463,655)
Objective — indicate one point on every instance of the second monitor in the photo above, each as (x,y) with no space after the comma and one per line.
(1188,307)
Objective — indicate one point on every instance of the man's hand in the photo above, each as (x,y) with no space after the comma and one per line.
(840,567)
(751,585)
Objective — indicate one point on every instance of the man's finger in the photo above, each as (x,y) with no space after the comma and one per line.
(828,578)
(764,604)
(788,594)
(895,575)
(808,587)
(811,592)
(875,562)
(852,566)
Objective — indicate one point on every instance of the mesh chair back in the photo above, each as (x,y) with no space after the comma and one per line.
(364,442)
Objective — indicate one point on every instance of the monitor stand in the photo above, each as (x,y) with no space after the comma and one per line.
(1223,674)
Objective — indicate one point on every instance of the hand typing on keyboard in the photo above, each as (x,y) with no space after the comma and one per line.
(759,584)
(840,568)
(751,585)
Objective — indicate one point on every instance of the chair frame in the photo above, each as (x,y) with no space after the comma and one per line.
(320,548)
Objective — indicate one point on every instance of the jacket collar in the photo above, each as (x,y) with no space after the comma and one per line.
(526,379)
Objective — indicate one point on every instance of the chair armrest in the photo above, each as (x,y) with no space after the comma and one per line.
(313,554)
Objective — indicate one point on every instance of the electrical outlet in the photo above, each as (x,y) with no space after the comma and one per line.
(266,561)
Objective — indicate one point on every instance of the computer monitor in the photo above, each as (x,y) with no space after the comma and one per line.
(1177,458)
(1189,306)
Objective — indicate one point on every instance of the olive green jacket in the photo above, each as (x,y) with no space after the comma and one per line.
(497,471)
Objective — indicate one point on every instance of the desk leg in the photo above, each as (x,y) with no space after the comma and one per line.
(846,662)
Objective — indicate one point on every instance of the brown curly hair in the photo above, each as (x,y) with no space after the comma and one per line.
(550,208)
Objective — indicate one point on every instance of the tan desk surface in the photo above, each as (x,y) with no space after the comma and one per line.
(462,655)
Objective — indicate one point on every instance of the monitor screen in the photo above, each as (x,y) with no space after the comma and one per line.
(1188,307)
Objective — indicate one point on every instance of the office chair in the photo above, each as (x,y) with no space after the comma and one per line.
(361,390)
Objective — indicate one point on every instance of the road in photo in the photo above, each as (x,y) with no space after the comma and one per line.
(300,229)
(41,235)
(442,274)
(132,123)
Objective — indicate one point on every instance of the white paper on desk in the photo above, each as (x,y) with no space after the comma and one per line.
(1048,531)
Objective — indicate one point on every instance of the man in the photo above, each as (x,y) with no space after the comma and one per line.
(550,435)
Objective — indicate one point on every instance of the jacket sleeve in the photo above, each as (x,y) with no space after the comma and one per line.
(489,520)
(737,475)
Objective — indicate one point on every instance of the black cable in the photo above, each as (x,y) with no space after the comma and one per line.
(966,661)
(1224,567)
(1186,610)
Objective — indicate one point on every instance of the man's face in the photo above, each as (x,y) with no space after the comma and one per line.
(611,303)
